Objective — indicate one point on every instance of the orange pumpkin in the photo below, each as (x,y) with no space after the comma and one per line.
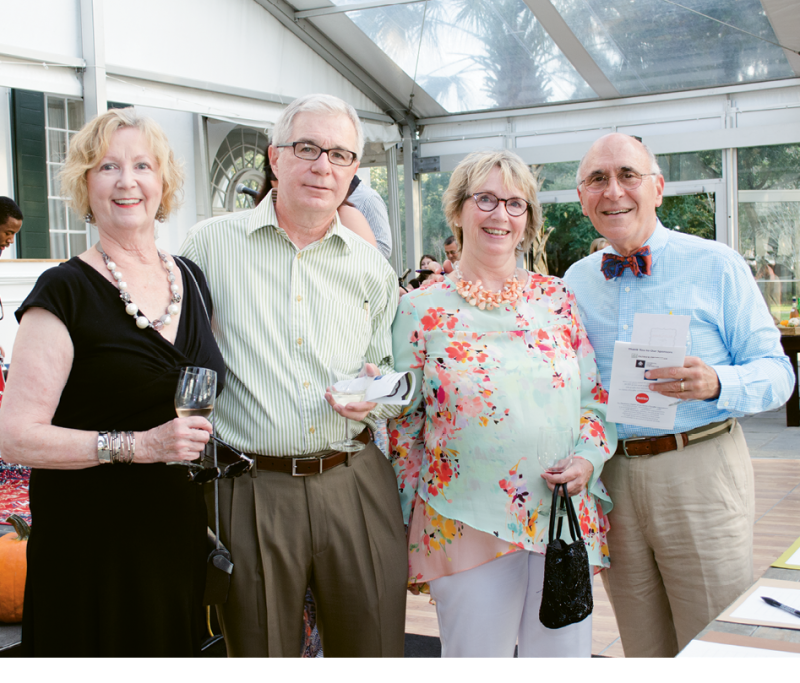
(13,568)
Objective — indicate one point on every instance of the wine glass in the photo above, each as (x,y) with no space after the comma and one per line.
(342,369)
(556,448)
(197,389)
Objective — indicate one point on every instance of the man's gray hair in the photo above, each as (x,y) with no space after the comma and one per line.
(316,104)
(654,167)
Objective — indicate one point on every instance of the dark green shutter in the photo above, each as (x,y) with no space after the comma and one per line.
(30,172)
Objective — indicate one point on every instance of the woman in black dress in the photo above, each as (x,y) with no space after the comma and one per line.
(116,559)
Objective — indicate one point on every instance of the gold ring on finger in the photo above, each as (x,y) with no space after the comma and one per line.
(683,386)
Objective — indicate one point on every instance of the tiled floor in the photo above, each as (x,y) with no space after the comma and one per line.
(775,450)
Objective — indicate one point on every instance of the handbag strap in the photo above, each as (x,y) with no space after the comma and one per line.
(572,517)
(213,417)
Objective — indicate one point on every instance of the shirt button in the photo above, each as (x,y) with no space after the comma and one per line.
(306,384)
(299,341)
(627,289)
(311,430)
(624,327)
(727,403)
(299,298)
(299,254)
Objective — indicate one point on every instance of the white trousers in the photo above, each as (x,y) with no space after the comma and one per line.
(485,611)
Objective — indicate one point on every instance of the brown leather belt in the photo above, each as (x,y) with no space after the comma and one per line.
(302,466)
(654,445)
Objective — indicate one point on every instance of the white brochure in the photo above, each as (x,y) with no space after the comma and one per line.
(394,389)
(630,400)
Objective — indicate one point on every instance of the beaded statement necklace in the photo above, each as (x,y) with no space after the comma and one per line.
(131,308)
(476,295)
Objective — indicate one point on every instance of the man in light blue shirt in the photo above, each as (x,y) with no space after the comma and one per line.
(681,531)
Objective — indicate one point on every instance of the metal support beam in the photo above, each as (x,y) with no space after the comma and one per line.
(202,175)
(413,201)
(94,53)
(334,56)
(549,17)
(321,11)
(785,21)
(393,206)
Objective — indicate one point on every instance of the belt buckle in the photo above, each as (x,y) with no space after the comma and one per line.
(625,446)
(295,473)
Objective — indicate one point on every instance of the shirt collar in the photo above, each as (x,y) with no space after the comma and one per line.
(265,216)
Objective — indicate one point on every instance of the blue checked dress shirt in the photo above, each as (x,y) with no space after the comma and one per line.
(731,328)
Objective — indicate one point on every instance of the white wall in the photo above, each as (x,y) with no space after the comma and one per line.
(232,42)
(46,25)
(178,127)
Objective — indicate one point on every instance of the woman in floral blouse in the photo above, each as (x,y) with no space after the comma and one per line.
(495,361)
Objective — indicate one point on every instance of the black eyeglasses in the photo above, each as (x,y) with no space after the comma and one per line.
(201,475)
(310,152)
(628,180)
(515,206)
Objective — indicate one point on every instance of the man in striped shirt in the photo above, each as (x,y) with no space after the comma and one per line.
(291,288)
(681,537)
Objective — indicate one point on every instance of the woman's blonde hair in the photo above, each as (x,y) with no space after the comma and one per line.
(90,145)
(473,171)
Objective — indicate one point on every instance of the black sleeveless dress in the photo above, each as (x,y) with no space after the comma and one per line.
(116,558)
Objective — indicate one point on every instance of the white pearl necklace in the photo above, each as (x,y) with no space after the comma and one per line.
(131,308)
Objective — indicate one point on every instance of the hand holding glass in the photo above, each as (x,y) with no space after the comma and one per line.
(342,368)
(556,448)
(197,389)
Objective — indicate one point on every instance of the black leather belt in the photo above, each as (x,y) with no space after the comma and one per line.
(654,445)
(301,466)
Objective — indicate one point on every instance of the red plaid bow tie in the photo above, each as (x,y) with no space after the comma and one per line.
(639,262)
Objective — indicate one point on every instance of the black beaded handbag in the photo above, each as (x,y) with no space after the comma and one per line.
(567,590)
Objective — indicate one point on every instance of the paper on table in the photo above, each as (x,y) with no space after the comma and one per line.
(756,609)
(700,648)
(393,389)
(656,329)
(630,400)
(790,559)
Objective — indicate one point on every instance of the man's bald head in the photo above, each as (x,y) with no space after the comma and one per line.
(627,189)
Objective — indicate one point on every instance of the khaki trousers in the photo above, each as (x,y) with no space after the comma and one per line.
(681,541)
(341,532)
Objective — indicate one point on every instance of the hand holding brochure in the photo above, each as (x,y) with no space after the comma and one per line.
(657,341)
(394,389)
(630,400)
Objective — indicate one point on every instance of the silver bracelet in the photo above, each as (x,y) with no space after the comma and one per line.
(103,448)
(116,445)
(130,448)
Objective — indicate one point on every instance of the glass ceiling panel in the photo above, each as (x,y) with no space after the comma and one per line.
(474,54)
(646,46)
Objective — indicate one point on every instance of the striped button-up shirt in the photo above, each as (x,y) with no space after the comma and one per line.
(731,328)
(280,314)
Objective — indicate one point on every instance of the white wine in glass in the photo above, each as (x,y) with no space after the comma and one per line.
(344,367)
(197,389)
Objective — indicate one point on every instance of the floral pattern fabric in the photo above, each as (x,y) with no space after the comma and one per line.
(464,449)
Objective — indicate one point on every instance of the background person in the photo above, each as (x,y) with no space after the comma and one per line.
(371,205)
(452,249)
(598,245)
(10,222)
(682,528)
(84,366)
(488,378)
